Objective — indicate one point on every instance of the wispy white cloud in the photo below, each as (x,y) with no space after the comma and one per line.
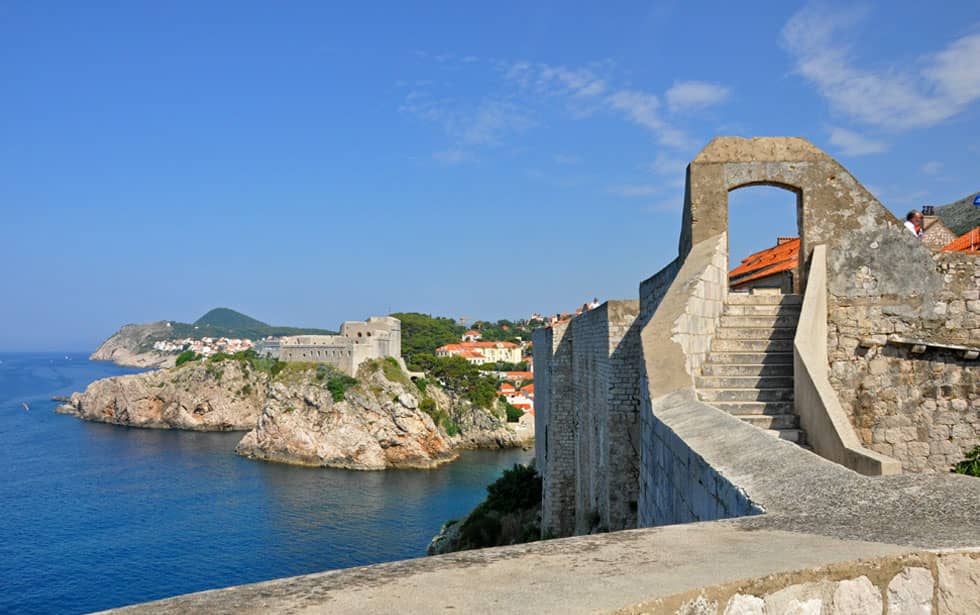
(694,95)
(853,144)
(643,108)
(668,166)
(452,155)
(488,123)
(933,167)
(527,91)
(892,97)
(634,190)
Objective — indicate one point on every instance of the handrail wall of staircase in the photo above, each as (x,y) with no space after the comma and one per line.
(829,431)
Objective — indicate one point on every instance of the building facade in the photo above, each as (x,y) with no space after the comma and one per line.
(358,341)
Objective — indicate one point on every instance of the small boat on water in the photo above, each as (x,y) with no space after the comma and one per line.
(26,407)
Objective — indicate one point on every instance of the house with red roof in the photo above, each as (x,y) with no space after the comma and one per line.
(482,352)
(472,336)
(773,267)
(969,243)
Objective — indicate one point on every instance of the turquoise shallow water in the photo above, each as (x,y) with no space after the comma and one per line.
(98,516)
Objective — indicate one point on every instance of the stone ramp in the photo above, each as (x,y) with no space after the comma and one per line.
(749,372)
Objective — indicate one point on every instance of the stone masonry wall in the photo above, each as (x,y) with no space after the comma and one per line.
(588,439)
(681,486)
(555,431)
(695,329)
(921,409)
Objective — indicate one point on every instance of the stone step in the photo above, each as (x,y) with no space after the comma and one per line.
(723,345)
(762,320)
(772,421)
(791,435)
(744,408)
(713,395)
(764,299)
(766,309)
(755,333)
(737,369)
(717,357)
(744,382)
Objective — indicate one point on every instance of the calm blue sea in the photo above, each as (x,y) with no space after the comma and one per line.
(96,516)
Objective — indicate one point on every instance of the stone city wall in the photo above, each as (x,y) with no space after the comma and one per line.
(922,409)
(681,487)
(944,582)
(676,484)
(555,428)
(591,439)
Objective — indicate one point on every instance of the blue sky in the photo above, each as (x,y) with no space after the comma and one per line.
(310,162)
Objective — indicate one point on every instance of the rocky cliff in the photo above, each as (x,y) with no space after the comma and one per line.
(376,425)
(130,346)
(301,413)
(199,396)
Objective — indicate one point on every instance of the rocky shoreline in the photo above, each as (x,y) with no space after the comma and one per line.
(298,416)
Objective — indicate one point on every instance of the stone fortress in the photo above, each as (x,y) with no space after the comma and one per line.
(358,341)
(706,452)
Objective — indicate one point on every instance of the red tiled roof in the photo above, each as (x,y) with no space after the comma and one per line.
(469,354)
(528,388)
(969,242)
(472,332)
(776,259)
(520,375)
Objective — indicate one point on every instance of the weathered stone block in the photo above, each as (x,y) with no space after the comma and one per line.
(857,597)
(910,592)
(958,584)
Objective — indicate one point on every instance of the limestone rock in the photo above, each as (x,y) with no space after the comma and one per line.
(377,425)
(128,347)
(858,597)
(959,584)
(741,604)
(223,396)
(910,592)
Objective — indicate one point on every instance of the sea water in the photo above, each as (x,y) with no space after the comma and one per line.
(96,516)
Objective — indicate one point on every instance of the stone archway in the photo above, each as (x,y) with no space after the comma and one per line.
(831,203)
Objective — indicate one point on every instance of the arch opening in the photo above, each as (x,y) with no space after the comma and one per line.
(764,237)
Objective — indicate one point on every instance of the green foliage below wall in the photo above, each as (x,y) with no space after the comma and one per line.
(971,465)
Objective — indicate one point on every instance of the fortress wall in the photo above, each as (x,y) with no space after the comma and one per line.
(555,436)
(606,406)
(676,483)
(587,421)
(681,485)
(922,409)
(882,284)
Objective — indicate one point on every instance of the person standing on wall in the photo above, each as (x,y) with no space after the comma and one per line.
(913,222)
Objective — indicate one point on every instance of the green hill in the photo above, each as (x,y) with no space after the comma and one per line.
(961,216)
(229,319)
(224,322)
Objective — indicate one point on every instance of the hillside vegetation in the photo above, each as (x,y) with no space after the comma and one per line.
(960,216)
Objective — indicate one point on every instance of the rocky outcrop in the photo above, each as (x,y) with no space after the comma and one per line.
(199,396)
(480,428)
(377,425)
(131,346)
(297,414)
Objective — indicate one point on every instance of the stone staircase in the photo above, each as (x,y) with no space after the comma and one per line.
(749,371)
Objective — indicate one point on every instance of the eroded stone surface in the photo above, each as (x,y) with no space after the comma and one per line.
(857,597)
(741,604)
(959,584)
(910,592)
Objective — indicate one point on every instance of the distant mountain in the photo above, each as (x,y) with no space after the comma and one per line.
(229,319)
(960,216)
(133,344)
